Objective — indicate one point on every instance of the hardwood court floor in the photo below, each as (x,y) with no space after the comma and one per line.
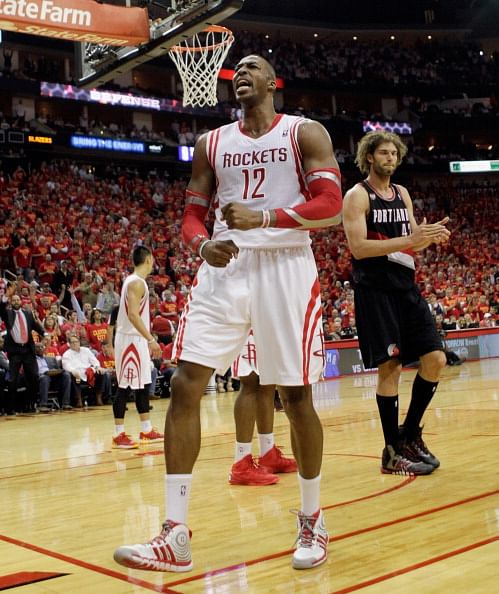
(67,500)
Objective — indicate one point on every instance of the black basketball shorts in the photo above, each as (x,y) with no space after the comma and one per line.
(394,325)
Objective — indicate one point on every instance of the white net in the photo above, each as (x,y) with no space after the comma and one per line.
(198,61)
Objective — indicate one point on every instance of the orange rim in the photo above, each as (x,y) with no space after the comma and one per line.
(211,29)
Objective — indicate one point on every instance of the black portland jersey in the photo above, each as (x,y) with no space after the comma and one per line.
(387,218)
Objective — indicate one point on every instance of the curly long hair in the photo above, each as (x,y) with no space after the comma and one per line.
(370,142)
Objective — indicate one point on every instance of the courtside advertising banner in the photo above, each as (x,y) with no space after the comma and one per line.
(76,20)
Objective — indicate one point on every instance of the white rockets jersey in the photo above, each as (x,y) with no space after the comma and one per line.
(123,324)
(261,173)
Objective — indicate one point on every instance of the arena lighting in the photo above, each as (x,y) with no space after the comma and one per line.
(397,127)
(106,144)
(474,166)
(156,149)
(185,153)
(40,139)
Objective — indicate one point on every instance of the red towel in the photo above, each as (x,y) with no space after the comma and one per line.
(91,377)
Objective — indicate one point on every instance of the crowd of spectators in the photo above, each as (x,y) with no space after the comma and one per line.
(430,63)
(66,236)
(422,67)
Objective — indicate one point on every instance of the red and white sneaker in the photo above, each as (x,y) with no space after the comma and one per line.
(247,472)
(124,442)
(274,461)
(170,551)
(312,541)
(152,436)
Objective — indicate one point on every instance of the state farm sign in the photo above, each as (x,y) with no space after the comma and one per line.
(76,20)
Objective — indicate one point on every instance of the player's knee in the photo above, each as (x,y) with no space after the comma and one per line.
(294,397)
(436,361)
(185,390)
(390,371)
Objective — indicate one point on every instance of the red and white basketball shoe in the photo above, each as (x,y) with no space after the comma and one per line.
(170,551)
(312,541)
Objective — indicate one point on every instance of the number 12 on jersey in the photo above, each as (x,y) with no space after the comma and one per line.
(253,180)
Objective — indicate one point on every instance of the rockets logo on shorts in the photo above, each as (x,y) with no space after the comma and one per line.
(250,354)
(393,350)
(130,375)
(130,364)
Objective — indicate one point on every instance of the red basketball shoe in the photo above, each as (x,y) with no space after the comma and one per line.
(274,461)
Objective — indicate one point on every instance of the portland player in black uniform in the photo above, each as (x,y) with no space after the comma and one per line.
(394,323)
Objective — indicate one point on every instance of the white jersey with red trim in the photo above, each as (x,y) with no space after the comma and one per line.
(261,173)
(123,324)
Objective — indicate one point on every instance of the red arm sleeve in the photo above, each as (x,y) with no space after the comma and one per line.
(323,207)
(193,227)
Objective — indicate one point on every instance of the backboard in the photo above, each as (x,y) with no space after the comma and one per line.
(171,21)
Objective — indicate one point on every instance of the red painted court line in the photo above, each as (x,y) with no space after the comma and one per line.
(104,571)
(414,516)
(24,578)
(339,537)
(408,569)
(486,435)
(406,482)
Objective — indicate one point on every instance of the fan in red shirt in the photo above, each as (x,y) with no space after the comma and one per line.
(72,325)
(161,280)
(51,350)
(59,248)
(43,307)
(96,330)
(21,256)
(106,358)
(5,246)
(52,330)
(45,291)
(47,269)
(168,307)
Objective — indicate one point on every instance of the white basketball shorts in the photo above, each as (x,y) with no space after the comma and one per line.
(133,361)
(275,292)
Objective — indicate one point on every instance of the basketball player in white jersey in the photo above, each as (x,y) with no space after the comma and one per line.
(134,347)
(255,404)
(270,178)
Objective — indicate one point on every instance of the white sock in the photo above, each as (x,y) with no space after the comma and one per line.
(146,426)
(266,441)
(242,450)
(119,429)
(310,494)
(177,491)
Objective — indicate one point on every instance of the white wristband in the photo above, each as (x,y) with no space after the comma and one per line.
(151,341)
(265,219)
(201,247)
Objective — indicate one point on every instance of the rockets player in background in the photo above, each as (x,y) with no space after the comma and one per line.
(270,179)
(255,403)
(394,324)
(134,347)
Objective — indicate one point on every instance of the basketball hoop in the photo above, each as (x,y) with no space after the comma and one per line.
(199,60)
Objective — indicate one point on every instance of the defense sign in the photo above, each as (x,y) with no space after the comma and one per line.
(76,20)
